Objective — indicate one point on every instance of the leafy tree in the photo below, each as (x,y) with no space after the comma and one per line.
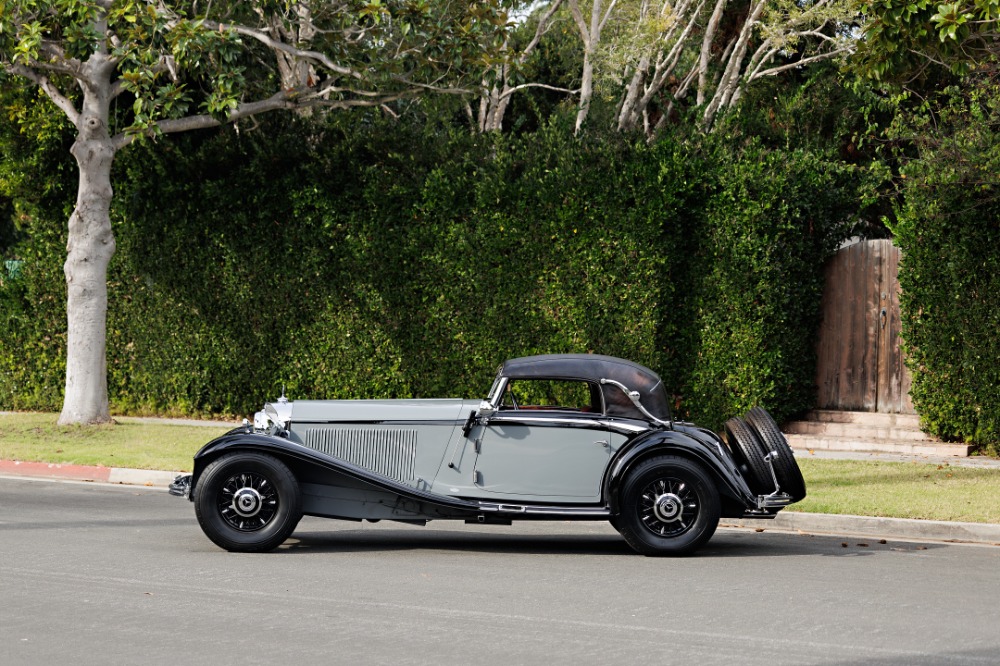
(652,59)
(179,66)
(903,39)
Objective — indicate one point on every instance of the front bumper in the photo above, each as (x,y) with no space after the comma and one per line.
(181,487)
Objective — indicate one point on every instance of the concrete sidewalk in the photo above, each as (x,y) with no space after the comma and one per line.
(786,521)
(918,459)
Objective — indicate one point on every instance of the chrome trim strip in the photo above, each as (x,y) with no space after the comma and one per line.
(509,417)
(535,510)
(624,427)
(387,422)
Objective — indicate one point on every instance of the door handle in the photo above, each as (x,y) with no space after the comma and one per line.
(882,315)
(602,442)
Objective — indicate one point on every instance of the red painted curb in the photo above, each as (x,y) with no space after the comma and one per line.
(55,470)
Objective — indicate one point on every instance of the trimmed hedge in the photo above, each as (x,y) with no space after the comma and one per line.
(374,260)
(949,273)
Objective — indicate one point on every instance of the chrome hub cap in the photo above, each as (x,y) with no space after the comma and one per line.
(668,506)
(248,501)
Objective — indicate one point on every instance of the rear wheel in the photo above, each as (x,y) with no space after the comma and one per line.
(785,467)
(749,451)
(669,506)
(248,502)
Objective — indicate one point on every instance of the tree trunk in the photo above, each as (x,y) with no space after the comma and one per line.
(586,91)
(706,50)
(89,250)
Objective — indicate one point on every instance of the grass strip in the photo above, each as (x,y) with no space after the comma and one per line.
(128,443)
(858,487)
(901,490)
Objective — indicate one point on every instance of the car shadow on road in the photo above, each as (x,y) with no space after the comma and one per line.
(980,657)
(726,543)
(363,541)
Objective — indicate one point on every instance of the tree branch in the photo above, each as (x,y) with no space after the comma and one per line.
(49,88)
(277,101)
(511,91)
(543,25)
(607,15)
(270,42)
(821,56)
(581,24)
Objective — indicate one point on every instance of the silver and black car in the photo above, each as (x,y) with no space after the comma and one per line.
(559,437)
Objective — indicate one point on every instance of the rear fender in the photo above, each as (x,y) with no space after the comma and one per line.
(730,484)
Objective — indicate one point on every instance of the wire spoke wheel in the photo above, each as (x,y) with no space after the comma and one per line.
(248,501)
(668,507)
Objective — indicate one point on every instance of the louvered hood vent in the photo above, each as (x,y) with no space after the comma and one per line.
(388,451)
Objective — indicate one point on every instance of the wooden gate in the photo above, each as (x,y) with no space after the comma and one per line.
(860,365)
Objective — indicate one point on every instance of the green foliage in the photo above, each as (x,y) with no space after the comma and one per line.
(772,220)
(384,260)
(950,269)
(180,59)
(37,180)
(903,38)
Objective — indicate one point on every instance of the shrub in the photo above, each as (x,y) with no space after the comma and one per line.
(377,260)
(950,268)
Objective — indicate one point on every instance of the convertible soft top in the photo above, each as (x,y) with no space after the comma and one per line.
(594,368)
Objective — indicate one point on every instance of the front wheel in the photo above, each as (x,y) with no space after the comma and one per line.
(669,506)
(248,502)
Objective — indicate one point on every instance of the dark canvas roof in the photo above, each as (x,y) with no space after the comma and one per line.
(593,368)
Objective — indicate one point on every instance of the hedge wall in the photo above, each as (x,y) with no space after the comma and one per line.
(369,260)
(949,233)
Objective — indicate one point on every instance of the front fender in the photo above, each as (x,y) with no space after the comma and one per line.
(323,469)
(694,444)
(235,438)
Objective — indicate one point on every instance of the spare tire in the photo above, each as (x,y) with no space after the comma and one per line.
(749,452)
(785,467)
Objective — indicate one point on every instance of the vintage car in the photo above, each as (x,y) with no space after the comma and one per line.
(559,437)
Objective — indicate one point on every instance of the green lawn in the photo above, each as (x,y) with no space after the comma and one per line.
(901,490)
(36,437)
(867,488)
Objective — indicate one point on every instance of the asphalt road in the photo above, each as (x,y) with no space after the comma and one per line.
(123,575)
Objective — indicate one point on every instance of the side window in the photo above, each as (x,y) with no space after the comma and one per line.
(552,394)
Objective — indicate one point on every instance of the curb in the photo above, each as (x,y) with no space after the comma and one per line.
(868,526)
(115,475)
(786,521)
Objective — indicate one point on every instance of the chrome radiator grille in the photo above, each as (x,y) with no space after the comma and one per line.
(388,451)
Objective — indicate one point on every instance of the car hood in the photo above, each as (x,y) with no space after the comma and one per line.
(325,411)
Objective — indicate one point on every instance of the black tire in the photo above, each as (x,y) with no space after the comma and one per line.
(785,467)
(669,506)
(749,451)
(248,502)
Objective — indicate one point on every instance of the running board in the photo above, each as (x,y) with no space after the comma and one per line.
(526,510)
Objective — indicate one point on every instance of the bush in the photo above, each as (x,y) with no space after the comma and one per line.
(773,220)
(950,268)
(376,260)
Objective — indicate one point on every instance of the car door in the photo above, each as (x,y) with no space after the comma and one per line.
(549,446)
(547,457)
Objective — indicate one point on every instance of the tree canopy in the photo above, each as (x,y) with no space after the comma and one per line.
(903,39)
(179,66)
